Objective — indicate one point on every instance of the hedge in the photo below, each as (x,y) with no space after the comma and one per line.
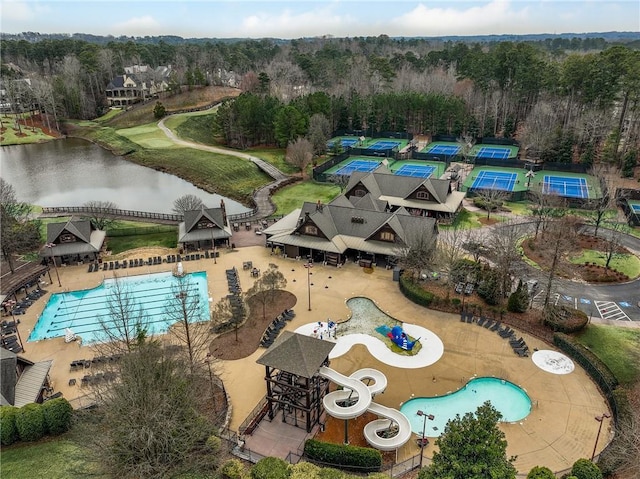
(354,458)
(8,428)
(57,415)
(30,422)
(414,292)
(270,468)
(565,320)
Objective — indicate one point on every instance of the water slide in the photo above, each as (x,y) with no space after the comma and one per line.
(356,389)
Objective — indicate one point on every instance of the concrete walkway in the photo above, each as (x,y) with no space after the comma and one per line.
(262,196)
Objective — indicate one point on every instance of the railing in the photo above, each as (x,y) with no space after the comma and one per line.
(253,418)
(87,210)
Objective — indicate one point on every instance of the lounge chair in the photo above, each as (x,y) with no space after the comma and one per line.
(496,326)
(90,268)
(488,323)
(481,320)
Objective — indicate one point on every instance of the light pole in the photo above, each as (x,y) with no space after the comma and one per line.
(600,419)
(309,265)
(425,416)
(208,361)
(55,266)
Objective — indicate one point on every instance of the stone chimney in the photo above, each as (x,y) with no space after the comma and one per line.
(224,213)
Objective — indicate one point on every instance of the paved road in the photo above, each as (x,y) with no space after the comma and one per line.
(262,196)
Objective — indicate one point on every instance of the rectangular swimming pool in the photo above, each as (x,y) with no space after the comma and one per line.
(83,311)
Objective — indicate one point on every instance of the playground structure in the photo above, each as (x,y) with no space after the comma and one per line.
(400,338)
(356,397)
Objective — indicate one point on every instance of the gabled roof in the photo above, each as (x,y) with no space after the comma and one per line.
(368,202)
(81,229)
(297,354)
(30,383)
(187,231)
(214,215)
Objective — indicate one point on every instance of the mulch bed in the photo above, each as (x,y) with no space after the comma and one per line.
(226,346)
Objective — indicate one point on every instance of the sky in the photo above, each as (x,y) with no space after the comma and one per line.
(307,18)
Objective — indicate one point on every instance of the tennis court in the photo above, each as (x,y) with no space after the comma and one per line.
(418,171)
(494,180)
(635,207)
(493,152)
(357,165)
(384,145)
(440,149)
(345,142)
(567,186)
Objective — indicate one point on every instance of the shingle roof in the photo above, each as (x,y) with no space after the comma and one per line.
(297,354)
(188,232)
(30,383)
(214,215)
(81,229)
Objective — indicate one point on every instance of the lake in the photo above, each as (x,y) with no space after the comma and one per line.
(72,171)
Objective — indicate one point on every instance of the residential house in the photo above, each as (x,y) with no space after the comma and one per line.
(73,242)
(341,231)
(419,196)
(138,83)
(204,228)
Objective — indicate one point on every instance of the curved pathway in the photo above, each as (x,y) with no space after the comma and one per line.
(261,197)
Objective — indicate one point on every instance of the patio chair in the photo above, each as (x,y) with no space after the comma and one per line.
(496,326)
(488,323)
(481,321)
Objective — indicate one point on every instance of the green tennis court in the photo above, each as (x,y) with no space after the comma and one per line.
(442,148)
(421,169)
(354,163)
(497,152)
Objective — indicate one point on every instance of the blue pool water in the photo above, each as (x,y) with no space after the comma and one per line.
(512,402)
(82,311)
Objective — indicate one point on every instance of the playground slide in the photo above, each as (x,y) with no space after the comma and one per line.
(356,389)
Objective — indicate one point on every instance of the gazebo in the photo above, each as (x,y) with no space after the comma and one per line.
(294,386)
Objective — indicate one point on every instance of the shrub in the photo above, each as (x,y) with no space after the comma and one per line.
(214,443)
(232,469)
(519,299)
(270,468)
(541,472)
(306,470)
(8,429)
(564,320)
(488,288)
(30,422)
(585,469)
(361,459)
(57,415)
(414,292)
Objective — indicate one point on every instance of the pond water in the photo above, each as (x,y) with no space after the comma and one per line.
(72,171)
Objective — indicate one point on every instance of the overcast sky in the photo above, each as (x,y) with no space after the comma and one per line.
(305,18)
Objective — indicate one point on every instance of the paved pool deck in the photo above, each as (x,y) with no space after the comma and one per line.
(560,429)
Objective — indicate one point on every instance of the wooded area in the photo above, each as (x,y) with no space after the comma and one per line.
(563,99)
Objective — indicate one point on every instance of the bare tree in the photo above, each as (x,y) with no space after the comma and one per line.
(299,154)
(319,133)
(340,181)
(187,203)
(466,143)
(544,208)
(417,252)
(226,314)
(99,215)
(189,323)
(560,236)
(502,249)
(613,243)
(153,420)
(126,322)
(450,248)
(491,199)
(265,287)
(604,205)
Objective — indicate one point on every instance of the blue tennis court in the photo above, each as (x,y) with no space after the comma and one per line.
(493,152)
(345,142)
(357,165)
(384,145)
(565,186)
(494,180)
(444,149)
(635,208)
(418,171)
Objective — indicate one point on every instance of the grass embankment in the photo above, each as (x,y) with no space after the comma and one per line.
(289,198)
(226,175)
(120,244)
(617,347)
(11,135)
(56,458)
(627,264)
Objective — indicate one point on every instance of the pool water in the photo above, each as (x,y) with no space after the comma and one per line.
(510,400)
(82,311)
(365,317)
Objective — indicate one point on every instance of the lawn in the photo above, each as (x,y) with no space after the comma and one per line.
(56,458)
(628,264)
(465,220)
(291,197)
(119,244)
(10,135)
(617,347)
(147,136)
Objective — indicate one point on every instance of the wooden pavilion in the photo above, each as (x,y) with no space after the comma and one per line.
(294,386)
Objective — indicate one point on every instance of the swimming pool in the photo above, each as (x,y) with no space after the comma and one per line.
(82,311)
(512,401)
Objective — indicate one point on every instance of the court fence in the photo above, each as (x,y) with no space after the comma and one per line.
(370,133)
(623,196)
(319,172)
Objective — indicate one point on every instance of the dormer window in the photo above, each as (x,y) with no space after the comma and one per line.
(387,236)
(359,192)
(67,238)
(311,230)
(422,195)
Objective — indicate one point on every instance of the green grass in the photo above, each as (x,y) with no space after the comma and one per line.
(291,197)
(617,348)
(119,244)
(10,135)
(465,220)
(147,136)
(56,458)
(520,208)
(624,263)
